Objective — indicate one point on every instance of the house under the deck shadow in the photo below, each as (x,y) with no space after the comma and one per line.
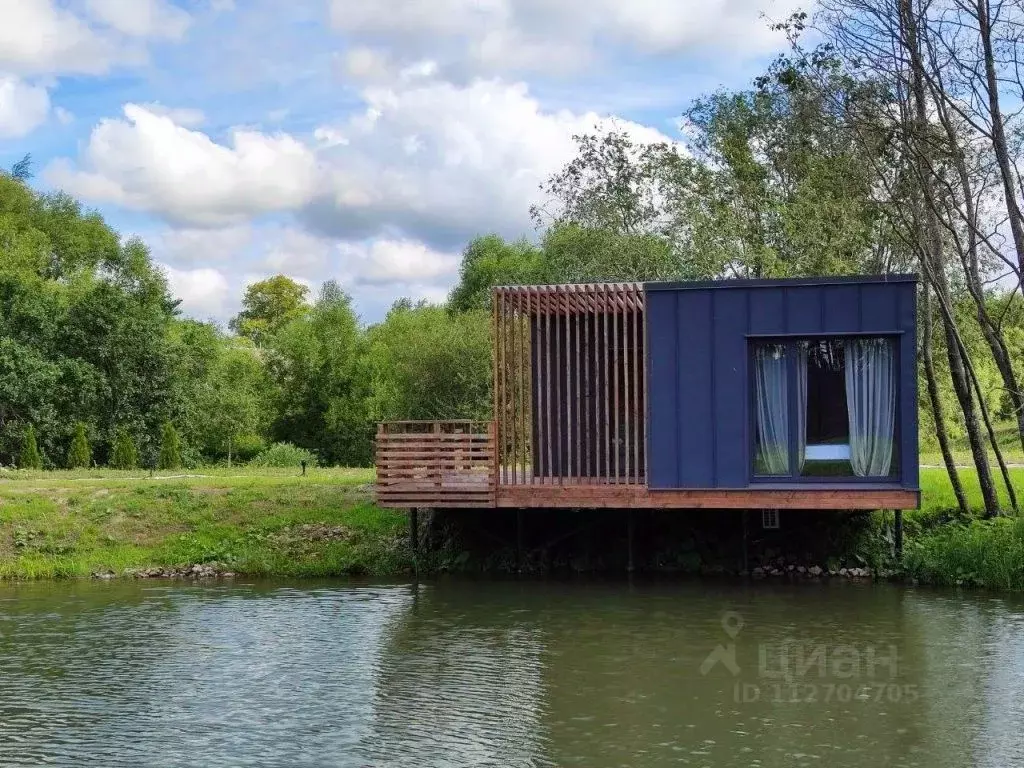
(737,394)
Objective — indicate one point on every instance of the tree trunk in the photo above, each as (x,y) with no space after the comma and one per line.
(938,412)
(999,144)
(933,263)
(229,452)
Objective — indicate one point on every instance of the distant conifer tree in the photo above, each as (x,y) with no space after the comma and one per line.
(30,456)
(79,454)
(124,454)
(170,448)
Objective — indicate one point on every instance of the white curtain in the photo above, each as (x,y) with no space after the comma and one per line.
(772,408)
(871,404)
(801,405)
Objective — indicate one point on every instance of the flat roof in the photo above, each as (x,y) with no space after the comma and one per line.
(783,282)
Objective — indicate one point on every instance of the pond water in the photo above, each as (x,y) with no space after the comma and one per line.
(509,674)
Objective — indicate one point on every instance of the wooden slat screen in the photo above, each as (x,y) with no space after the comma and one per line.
(569,384)
(435,464)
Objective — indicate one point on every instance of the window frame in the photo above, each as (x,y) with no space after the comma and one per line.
(790,341)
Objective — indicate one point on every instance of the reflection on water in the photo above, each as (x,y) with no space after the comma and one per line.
(509,674)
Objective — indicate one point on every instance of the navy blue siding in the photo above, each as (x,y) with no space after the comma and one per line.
(698,379)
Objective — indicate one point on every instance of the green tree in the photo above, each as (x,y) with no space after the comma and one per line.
(30,456)
(489,261)
(235,399)
(426,363)
(268,306)
(170,447)
(321,393)
(124,454)
(79,454)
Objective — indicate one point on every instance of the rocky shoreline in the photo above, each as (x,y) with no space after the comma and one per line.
(193,572)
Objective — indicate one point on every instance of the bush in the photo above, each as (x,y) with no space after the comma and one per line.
(284,455)
(247,447)
(30,456)
(170,448)
(984,553)
(124,454)
(79,454)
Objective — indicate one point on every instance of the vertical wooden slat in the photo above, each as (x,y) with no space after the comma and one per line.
(606,380)
(615,372)
(627,390)
(557,433)
(638,414)
(579,432)
(643,368)
(585,319)
(526,363)
(549,474)
(495,300)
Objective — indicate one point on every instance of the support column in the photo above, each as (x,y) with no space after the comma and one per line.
(414,538)
(519,541)
(746,542)
(899,535)
(630,530)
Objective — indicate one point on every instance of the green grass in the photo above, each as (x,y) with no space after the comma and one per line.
(1006,437)
(265,522)
(277,523)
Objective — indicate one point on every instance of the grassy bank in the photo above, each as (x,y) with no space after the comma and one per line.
(273,522)
(256,522)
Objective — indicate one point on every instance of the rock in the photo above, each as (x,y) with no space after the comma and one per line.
(758,572)
(844,571)
(105,575)
(801,570)
(815,570)
(790,567)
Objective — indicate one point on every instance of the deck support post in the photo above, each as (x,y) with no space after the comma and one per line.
(519,541)
(414,537)
(746,543)
(899,535)
(630,531)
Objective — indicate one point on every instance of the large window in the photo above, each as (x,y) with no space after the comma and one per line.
(825,408)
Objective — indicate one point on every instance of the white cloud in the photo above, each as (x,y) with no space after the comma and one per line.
(184,116)
(142,18)
(204,292)
(22,106)
(150,163)
(564,35)
(387,261)
(441,163)
(36,36)
(190,247)
(64,117)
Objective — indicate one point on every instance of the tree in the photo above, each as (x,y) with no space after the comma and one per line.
(426,363)
(124,454)
(268,306)
(79,454)
(30,456)
(170,448)
(234,400)
(315,362)
(489,261)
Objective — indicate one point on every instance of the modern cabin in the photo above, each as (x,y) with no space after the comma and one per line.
(731,394)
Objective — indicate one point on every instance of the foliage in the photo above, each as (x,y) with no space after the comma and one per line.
(30,457)
(124,454)
(79,454)
(490,261)
(425,363)
(284,455)
(269,305)
(984,553)
(170,448)
(321,392)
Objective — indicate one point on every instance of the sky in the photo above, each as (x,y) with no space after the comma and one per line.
(365,141)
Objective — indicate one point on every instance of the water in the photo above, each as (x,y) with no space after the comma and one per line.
(508,674)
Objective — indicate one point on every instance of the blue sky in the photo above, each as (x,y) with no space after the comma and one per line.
(360,140)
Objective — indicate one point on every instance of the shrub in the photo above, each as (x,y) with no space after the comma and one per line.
(985,553)
(284,455)
(170,448)
(247,447)
(30,456)
(124,454)
(79,454)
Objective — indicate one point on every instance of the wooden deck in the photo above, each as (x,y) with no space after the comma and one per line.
(455,464)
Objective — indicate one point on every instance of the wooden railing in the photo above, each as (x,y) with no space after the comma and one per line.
(435,464)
